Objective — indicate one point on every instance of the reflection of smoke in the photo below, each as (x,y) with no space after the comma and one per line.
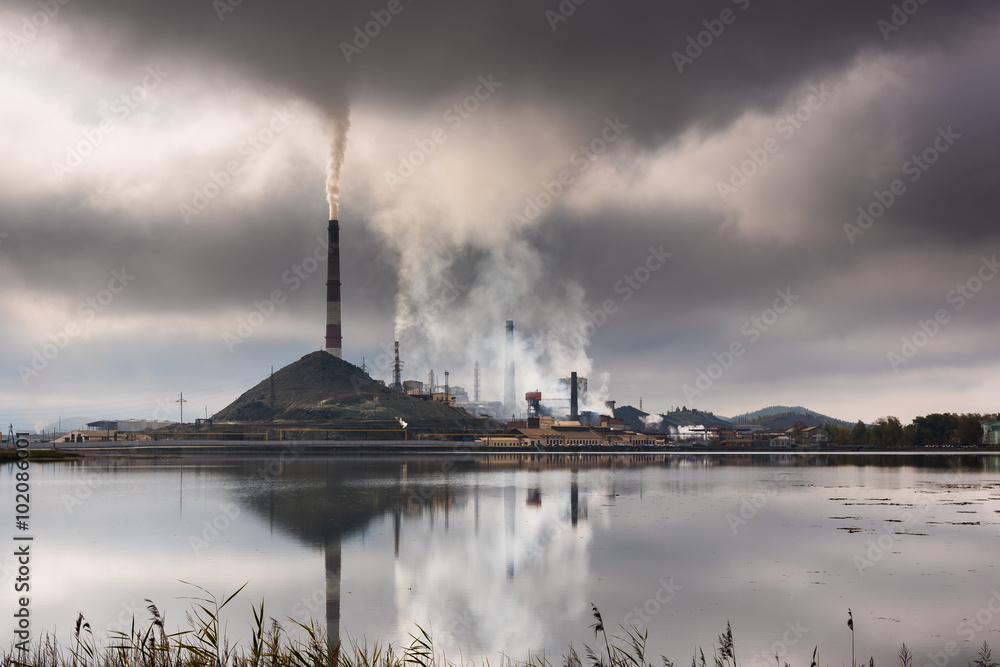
(459,583)
(339,125)
(652,421)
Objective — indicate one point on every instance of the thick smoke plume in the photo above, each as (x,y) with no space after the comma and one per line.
(339,125)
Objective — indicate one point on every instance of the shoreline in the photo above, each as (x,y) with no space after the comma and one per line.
(433,447)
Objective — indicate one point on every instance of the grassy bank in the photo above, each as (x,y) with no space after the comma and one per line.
(38,455)
(203,644)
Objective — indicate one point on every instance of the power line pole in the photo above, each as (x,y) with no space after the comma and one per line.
(182,402)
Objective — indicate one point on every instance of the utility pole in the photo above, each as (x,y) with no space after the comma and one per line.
(182,402)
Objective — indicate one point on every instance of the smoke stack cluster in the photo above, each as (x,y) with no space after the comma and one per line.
(334,341)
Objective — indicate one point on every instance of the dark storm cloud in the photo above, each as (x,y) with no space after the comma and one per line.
(195,269)
(605,57)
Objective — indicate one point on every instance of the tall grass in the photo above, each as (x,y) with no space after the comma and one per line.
(203,644)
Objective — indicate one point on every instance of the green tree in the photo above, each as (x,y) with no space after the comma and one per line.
(886,432)
(859,435)
(936,429)
(969,431)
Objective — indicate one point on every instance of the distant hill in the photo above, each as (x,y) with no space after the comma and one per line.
(319,387)
(783,417)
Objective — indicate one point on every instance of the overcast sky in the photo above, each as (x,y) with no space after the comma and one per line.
(686,175)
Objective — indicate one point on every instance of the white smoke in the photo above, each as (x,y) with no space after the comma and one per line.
(652,421)
(337,129)
(598,394)
(465,263)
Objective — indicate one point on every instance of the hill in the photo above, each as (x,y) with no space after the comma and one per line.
(320,388)
(783,417)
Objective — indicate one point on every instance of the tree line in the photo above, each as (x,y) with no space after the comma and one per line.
(933,430)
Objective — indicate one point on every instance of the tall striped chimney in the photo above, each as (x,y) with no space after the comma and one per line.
(334,342)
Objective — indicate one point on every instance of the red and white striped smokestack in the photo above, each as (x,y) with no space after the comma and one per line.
(334,342)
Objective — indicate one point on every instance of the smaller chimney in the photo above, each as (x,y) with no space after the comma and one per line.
(574,409)
(447,388)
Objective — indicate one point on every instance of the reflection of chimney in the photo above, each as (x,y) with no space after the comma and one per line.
(396,520)
(332,554)
(574,502)
(334,342)
(574,408)
(510,523)
(509,402)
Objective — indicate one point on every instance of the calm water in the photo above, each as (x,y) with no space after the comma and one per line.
(505,554)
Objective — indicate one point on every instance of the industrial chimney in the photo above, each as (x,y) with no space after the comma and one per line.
(397,375)
(334,342)
(574,408)
(509,402)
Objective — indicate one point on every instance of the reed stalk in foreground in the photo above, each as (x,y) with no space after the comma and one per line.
(203,644)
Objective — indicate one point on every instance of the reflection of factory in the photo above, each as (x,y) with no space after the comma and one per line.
(408,495)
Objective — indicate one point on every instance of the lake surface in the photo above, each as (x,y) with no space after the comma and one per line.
(506,553)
